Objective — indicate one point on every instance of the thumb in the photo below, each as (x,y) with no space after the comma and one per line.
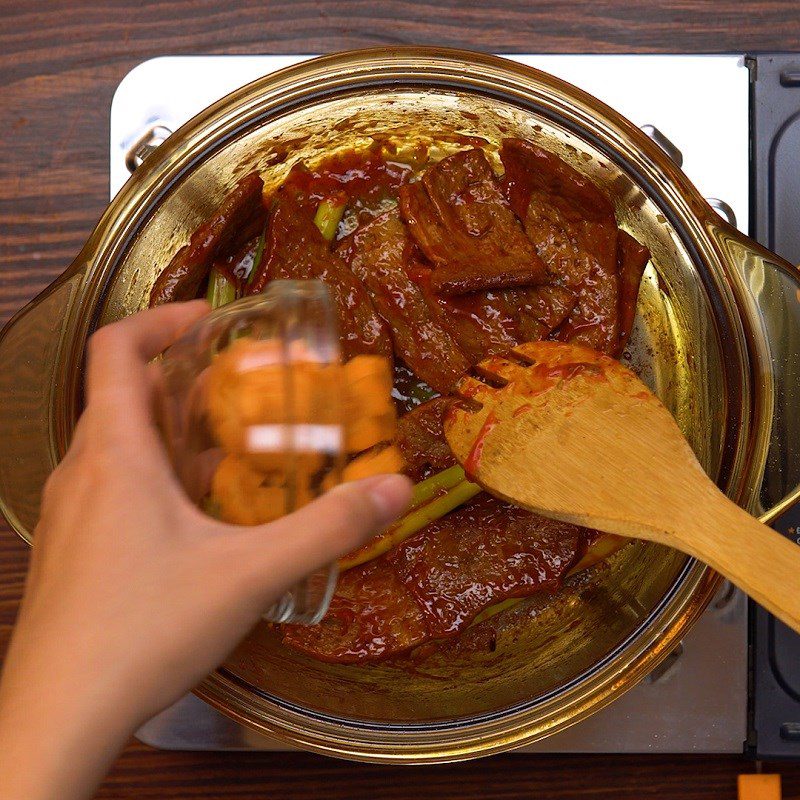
(334,524)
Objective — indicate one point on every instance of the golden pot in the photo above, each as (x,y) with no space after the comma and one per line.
(717,337)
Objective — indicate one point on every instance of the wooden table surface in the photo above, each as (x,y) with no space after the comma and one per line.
(59,65)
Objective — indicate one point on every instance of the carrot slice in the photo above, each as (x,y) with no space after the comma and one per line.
(362,433)
(390,459)
(368,381)
(242,497)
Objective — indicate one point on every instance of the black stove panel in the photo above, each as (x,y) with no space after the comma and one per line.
(775,663)
(784,656)
(775,215)
(785,239)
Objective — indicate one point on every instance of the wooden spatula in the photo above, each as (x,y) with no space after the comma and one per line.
(572,434)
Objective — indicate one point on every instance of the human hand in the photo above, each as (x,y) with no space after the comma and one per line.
(133,594)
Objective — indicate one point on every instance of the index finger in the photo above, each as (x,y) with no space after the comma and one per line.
(119,352)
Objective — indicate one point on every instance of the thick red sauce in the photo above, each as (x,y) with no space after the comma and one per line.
(543,377)
(365,179)
(476,452)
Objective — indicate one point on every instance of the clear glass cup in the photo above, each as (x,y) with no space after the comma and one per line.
(252,413)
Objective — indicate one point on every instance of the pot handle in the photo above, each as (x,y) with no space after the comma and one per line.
(31,346)
(770,285)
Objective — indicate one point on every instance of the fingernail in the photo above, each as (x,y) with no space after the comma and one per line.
(390,494)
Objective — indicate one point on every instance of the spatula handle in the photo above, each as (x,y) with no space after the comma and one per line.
(760,561)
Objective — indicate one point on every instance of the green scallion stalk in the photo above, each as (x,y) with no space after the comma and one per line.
(437,484)
(257,256)
(413,521)
(329,215)
(491,611)
(418,518)
(221,289)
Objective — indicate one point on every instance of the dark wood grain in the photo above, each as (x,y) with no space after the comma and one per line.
(59,65)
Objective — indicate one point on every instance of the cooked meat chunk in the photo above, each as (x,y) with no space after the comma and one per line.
(632,259)
(540,310)
(189,268)
(420,437)
(372,615)
(482,323)
(378,254)
(295,250)
(574,230)
(463,225)
(435,583)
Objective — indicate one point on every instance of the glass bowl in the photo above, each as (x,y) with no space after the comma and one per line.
(252,414)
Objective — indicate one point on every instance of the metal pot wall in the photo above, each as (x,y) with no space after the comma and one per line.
(717,337)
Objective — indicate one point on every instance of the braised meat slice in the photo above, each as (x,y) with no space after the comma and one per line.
(378,254)
(540,309)
(372,616)
(632,259)
(184,275)
(434,584)
(574,230)
(420,437)
(479,555)
(462,223)
(294,249)
(482,323)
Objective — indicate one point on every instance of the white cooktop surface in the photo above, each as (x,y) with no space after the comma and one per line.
(697,701)
(699,102)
